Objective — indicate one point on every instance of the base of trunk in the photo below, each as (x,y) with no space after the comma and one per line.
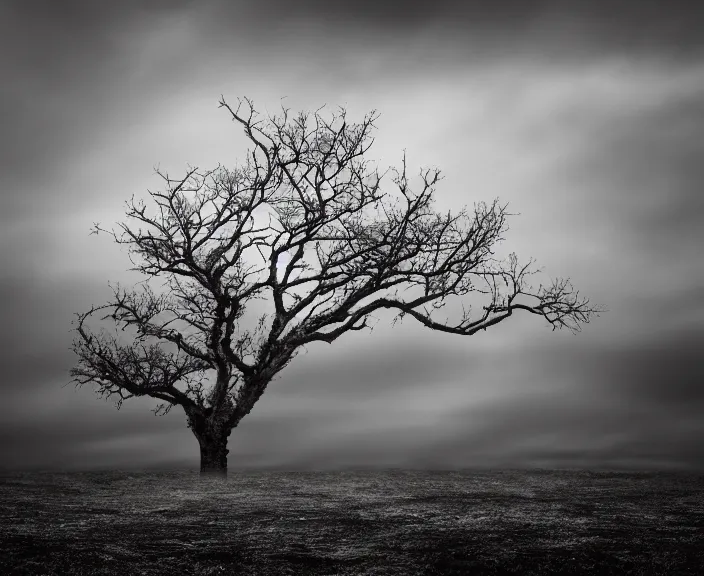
(213,458)
(212,432)
(213,472)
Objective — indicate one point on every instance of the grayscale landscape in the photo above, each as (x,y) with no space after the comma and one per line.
(353,522)
(351,287)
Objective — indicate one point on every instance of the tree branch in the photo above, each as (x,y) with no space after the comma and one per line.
(303,221)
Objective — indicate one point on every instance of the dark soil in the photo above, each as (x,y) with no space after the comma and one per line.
(375,523)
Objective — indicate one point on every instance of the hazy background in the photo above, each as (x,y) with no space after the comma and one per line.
(588,120)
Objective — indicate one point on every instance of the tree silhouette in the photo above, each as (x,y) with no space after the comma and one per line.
(303,222)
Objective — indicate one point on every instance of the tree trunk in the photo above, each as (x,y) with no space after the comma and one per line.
(212,432)
(213,456)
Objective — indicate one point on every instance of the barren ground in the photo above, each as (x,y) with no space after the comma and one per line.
(406,523)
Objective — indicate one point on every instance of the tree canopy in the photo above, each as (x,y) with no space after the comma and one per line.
(309,223)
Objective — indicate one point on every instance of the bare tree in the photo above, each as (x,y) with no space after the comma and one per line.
(304,223)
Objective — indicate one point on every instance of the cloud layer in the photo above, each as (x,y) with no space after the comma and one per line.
(590,126)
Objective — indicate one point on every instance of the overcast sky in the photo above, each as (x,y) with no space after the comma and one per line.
(588,121)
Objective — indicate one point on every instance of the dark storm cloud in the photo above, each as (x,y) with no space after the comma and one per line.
(649,159)
(663,375)
(649,20)
(62,64)
(132,436)
(668,28)
(613,145)
(36,315)
(69,67)
(635,405)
